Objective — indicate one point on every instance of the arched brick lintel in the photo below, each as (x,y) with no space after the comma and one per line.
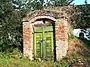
(41,17)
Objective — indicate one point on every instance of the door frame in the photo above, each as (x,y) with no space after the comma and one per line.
(54,40)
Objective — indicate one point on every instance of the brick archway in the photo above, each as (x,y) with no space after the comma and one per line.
(61,32)
(28,33)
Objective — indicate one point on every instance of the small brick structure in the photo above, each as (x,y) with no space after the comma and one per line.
(60,17)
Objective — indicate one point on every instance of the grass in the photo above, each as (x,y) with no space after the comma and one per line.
(81,51)
(15,59)
(12,62)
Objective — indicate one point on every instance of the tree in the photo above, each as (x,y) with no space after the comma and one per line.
(39,4)
(10,26)
(61,2)
(28,4)
(82,18)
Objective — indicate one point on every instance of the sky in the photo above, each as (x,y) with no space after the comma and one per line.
(78,2)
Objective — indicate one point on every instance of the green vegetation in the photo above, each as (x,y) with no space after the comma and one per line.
(81,50)
(15,59)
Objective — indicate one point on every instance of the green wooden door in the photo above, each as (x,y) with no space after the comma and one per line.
(43,42)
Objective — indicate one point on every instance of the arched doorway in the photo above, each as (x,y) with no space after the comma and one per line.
(36,35)
(43,39)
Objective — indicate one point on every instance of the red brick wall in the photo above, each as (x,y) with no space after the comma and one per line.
(61,37)
(61,33)
(27,39)
(61,30)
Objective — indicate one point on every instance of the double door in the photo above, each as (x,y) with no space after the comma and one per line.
(43,42)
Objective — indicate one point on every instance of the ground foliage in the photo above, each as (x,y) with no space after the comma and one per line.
(80,51)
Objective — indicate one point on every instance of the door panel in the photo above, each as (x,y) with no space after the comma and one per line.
(43,42)
(49,44)
(38,45)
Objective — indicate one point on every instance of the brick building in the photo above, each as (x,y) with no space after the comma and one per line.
(45,33)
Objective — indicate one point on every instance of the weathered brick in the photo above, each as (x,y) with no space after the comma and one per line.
(61,30)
